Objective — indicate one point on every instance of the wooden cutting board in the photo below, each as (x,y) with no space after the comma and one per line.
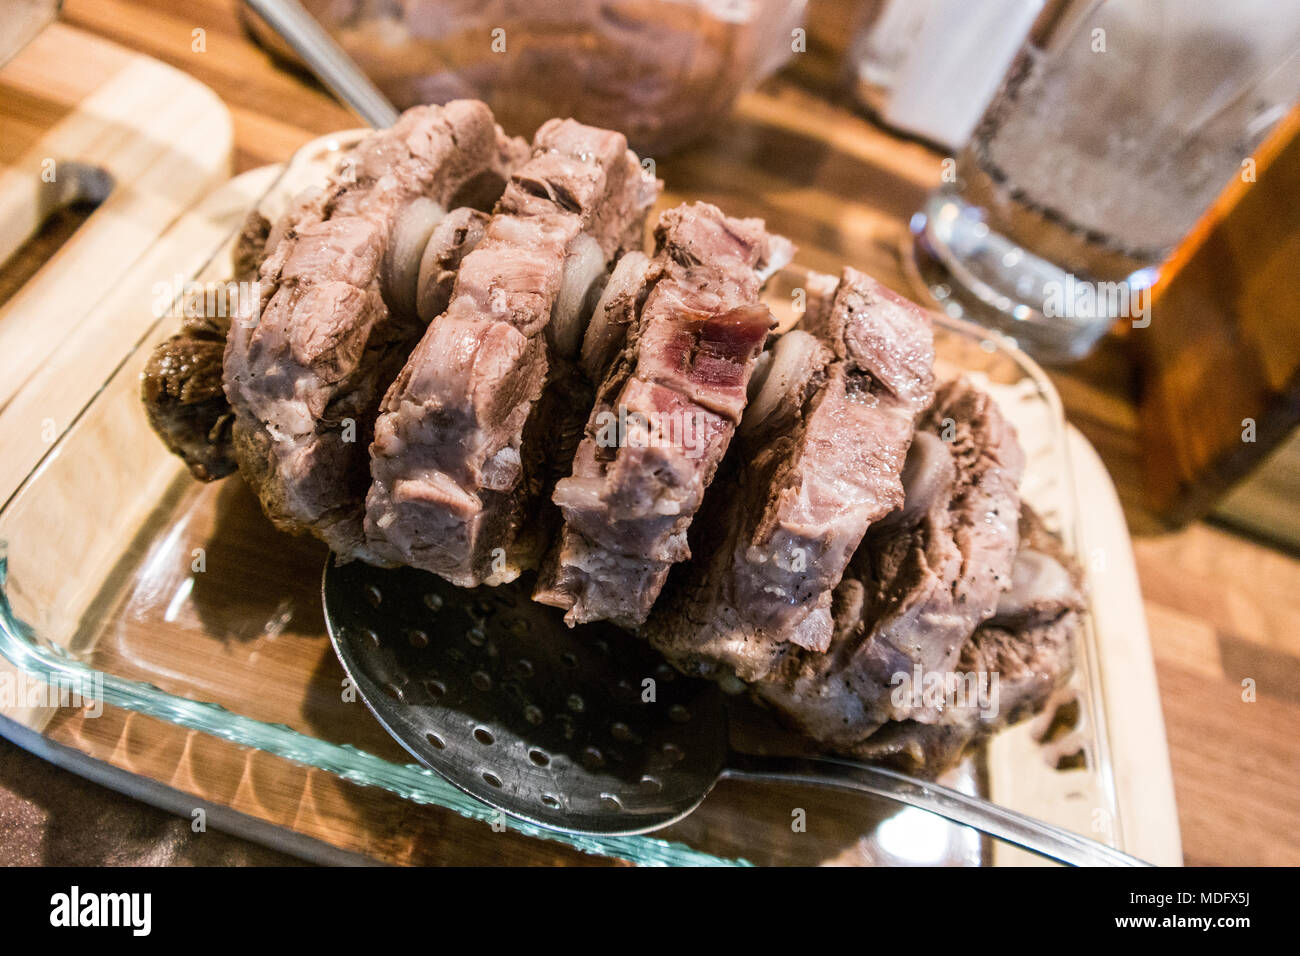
(163,140)
(65,331)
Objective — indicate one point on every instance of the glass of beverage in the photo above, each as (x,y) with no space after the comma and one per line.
(1116,127)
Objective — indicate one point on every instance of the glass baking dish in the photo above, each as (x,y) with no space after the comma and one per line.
(193,630)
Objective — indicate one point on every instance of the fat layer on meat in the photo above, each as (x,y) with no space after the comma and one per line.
(304,372)
(691,327)
(459,451)
(810,480)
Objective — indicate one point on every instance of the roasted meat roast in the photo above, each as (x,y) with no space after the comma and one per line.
(461,356)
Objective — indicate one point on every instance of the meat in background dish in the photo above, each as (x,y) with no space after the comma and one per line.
(661,71)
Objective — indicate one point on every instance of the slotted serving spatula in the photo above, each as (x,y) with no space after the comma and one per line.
(586,730)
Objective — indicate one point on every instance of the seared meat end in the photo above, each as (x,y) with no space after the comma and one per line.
(181,383)
(181,390)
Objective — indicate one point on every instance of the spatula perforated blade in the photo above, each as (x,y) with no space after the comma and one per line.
(583,730)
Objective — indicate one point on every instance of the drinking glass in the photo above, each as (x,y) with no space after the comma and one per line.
(1116,127)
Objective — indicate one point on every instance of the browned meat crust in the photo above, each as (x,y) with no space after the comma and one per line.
(250,246)
(181,383)
(182,395)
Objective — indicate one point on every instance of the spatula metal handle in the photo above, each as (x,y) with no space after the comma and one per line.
(325,58)
(1033,835)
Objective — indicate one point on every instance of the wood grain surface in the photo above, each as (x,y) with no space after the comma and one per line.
(1221,609)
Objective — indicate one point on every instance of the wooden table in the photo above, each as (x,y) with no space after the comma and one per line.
(1221,609)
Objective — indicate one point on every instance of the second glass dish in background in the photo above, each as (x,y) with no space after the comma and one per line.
(660,71)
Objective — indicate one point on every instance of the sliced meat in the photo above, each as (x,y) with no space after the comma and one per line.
(1017,660)
(304,373)
(684,330)
(823,445)
(459,452)
(920,583)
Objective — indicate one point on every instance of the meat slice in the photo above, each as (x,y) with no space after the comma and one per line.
(922,581)
(305,370)
(823,445)
(463,445)
(684,331)
(1018,659)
